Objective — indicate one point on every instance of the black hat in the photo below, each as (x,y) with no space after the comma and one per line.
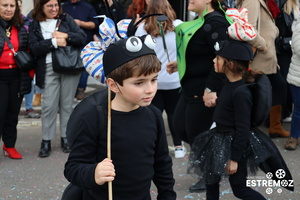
(126,50)
(234,49)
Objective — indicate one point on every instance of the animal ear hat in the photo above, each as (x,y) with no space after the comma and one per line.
(125,50)
(234,49)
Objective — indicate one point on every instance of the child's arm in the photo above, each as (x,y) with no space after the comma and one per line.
(105,172)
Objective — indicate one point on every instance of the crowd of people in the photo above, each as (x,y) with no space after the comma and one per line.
(165,64)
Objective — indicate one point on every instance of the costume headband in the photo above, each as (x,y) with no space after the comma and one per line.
(93,53)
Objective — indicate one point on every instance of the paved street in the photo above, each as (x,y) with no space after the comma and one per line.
(42,179)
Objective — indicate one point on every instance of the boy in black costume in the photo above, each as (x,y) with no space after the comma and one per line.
(138,141)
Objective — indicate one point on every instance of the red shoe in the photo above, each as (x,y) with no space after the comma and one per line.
(11,152)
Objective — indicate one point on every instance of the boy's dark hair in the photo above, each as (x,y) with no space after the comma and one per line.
(143,65)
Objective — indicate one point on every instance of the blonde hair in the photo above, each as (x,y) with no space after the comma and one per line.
(291,5)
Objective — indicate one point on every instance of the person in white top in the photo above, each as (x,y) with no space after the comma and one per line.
(168,91)
(293,78)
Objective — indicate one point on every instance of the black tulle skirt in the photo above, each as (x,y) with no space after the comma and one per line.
(212,149)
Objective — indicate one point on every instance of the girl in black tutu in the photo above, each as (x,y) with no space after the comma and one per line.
(231,147)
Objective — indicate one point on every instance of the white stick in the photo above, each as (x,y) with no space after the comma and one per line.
(109,139)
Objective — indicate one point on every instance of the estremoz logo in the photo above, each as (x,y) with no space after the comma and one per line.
(271,184)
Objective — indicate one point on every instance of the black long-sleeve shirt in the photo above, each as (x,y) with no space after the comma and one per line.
(139,152)
(200,54)
(233,111)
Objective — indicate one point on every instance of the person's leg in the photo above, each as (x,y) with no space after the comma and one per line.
(9,131)
(179,119)
(167,100)
(28,98)
(238,185)
(50,104)
(276,128)
(284,61)
(37,95)
(66,96)
(29,112)
(292,142)
(49,109)
(3,104)
(80,94)
(171,98)
(213,191)
(191,118)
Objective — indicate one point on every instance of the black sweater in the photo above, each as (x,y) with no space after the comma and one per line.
(233,111)
(200,54)
(139,152)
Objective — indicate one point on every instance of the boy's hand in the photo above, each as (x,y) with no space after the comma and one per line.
(231,167)
(105,172)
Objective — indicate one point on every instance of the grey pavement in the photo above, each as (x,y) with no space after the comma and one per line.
(42,178)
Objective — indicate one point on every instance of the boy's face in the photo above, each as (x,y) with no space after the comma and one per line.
(137,91)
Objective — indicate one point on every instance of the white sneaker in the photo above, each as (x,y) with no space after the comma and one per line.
(179,152)
(287,120)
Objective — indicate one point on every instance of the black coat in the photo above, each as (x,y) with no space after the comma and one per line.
(25,79)
(40,47)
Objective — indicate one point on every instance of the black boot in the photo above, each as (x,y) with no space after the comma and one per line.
(198,187)
(45,148)
(65,145)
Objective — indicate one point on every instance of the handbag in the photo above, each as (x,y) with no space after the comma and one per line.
(66,60)
(284,24)
(23,59)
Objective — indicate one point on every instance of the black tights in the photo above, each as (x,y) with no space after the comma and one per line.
(238,186)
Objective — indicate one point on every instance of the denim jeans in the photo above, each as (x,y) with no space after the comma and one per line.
(295,124)
(28,97)
(83,80)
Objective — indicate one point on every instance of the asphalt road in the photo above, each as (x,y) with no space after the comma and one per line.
(42,178)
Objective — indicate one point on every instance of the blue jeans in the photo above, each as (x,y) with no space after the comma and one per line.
(28,97)
(295,124)
(83,80)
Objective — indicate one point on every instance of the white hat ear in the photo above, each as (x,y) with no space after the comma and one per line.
(217,46)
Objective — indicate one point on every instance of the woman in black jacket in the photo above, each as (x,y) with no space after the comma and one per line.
(58,90)
(14,83)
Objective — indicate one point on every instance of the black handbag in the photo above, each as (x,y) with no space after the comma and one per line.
(284,24)
(66,60)
(23,59)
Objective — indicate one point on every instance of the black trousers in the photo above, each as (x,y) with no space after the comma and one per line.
(238,186)
(167,100)
(192,117)
(10,104)
(284,61)
(279,88)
